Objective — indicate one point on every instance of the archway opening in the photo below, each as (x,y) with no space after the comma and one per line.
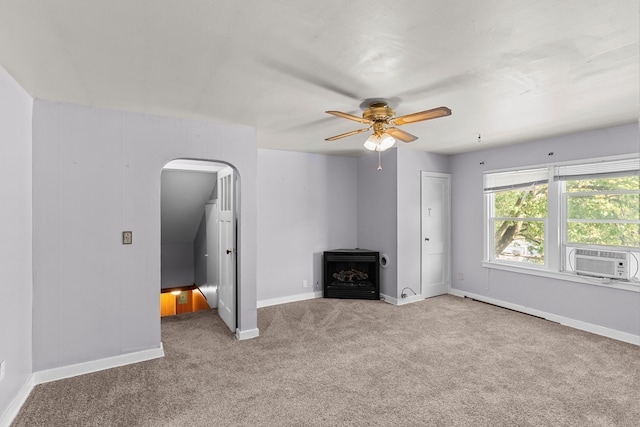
(195,197)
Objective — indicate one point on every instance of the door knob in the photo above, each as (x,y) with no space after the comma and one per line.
(228,251)
(426,239)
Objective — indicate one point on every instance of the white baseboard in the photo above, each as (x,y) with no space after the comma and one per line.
(402,301)
(14,407)
(288,299)
(248,334)
(410,299)
(55,374)
(388,299)
(565,321)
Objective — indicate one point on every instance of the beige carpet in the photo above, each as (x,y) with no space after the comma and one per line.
(445,361)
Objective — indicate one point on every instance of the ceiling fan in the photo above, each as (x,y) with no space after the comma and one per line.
(382,119)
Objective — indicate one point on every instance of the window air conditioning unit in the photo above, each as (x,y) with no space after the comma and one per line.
(614,265)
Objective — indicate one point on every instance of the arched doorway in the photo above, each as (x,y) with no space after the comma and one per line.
(198,228)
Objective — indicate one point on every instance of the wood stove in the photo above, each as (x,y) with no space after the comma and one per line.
(351,273)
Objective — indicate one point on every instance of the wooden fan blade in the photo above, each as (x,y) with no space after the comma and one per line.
(422,115)
(401,135)
(349,116)
(343,135)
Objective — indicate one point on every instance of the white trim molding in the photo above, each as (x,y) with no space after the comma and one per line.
(565,321)
(402,301)
(248,334)
(69,371)
(288,299)
(14,407)
(388,299)
(410,299)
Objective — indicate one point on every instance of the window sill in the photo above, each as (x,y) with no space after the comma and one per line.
(569,277)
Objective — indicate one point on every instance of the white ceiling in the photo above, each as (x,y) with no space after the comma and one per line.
(510,70)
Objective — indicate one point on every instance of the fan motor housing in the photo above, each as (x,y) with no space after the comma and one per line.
(378,112)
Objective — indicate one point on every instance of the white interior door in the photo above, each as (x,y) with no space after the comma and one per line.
(210,290)
(436,204)
(226,248)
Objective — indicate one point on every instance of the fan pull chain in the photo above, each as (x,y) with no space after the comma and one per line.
(379,162)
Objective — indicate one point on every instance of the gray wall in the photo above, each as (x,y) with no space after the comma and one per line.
(15,243)
(378,213)
(306,205)
(178,264)
(389,212)
(411,163)
(610,308)
(96,173)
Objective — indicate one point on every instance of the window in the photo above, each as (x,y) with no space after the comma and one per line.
(550,217)
(603,211)
(517,203)
(600,209)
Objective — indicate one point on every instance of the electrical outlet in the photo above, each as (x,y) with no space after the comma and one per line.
(304,284)
(317,285)
(2,370)
(461,276)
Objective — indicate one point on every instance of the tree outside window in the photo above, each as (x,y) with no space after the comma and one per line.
(519,224)
(603,211)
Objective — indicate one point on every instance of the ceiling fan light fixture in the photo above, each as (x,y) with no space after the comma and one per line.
(380,142)
(384,122)
(371,143)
